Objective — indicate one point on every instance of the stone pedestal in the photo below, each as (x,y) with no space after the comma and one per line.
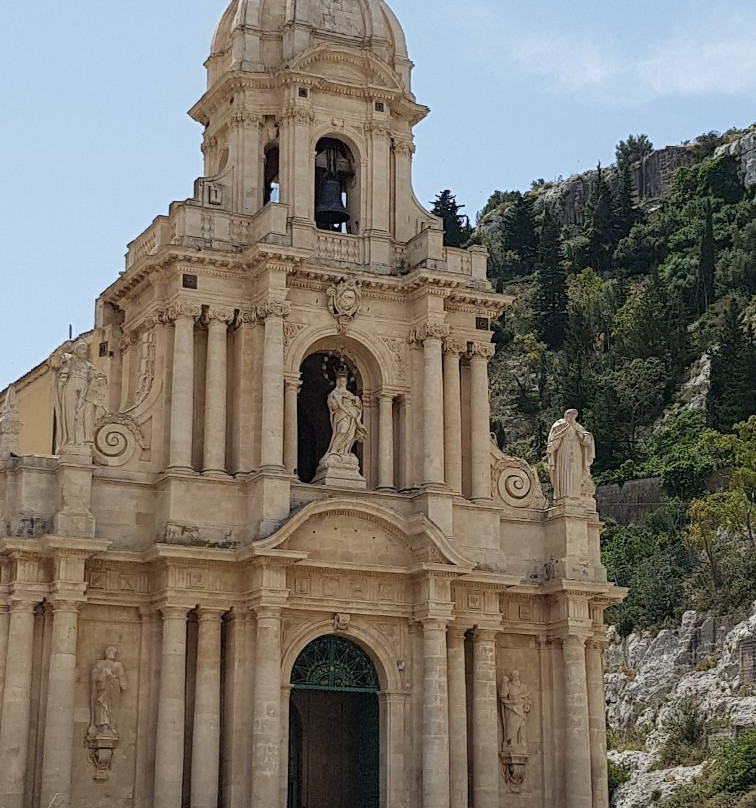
(341,471)
(74,517)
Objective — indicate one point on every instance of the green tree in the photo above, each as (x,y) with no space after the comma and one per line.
(733,373)
(601,224)
(519,233)
(639,386)
(627,212)
(457,229)
(707,261)
(630,152)
(550,298)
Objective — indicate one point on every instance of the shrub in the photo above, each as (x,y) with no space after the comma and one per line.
(686,736)
(737,764)
(618,776)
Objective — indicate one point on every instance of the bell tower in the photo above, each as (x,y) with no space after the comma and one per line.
(310,105)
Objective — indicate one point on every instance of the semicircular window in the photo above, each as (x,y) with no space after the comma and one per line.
(337,664)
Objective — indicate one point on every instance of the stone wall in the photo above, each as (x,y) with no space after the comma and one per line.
(629,502)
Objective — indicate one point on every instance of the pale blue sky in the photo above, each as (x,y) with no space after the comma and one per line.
(96,141)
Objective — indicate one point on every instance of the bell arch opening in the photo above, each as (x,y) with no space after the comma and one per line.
(319,373)
(337,197)
(334,727)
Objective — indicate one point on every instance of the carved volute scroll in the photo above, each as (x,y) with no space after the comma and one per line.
(514,482)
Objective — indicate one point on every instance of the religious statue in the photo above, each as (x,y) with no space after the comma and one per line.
(346,417)
(78,392)
(10,425)
(515,703)
(571,452)
(108,681)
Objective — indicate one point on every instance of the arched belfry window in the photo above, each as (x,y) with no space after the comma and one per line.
(272,169)
(313,416)
(336,197)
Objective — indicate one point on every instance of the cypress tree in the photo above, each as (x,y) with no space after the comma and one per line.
(707,261)
(519,233)
(733,373)
(601,224)
(625,202)
(456,226)
(550,303)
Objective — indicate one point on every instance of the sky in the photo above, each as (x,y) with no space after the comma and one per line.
(95,140)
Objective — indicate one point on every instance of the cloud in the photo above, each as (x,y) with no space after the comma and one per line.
(724,65)
(572,65)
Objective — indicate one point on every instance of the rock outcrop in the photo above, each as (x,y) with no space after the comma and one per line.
(709,660)
(743,149)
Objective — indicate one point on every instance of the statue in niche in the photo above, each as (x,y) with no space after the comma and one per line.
(108,681)
(346,417)
(516,705)
(79,391)
(571,451)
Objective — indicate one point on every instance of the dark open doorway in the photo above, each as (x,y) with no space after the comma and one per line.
(334,728)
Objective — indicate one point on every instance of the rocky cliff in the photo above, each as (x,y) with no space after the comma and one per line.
(709,662)
(744,150)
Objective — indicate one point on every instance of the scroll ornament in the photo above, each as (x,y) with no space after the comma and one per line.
(514,482)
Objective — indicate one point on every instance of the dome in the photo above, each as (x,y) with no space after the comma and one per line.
(264,35)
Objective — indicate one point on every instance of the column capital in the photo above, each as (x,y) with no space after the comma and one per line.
(268,612)
(218,315)
(456,632)
(183,310)
(454,346)
(273,309)
(486,634)
(210,614)
(65,605)
(293,380)
(172,612)
(22,605)
(434,332)
(434,623)
(245,318)
(481,350)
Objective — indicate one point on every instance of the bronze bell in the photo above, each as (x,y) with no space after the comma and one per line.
(330,211)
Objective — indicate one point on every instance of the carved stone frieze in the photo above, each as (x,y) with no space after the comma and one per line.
(397,347)
(291,332)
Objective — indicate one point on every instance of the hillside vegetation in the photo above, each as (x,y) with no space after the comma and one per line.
(642,318)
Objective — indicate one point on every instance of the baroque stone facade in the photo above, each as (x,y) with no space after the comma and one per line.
(258,548)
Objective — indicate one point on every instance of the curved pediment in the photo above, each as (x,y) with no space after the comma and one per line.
(348,66)
(349,532)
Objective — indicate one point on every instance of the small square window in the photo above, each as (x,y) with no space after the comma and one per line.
(190,282)
(482,324)
(104,349)
(380,106)
(304,92)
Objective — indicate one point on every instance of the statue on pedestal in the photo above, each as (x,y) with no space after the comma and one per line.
(10,425)
(571,451)
(107,682)
(338,464)
(78,392)
(515,704)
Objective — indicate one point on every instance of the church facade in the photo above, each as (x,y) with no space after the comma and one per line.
(257,547)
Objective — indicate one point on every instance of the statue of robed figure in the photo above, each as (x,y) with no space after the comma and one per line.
(571,451)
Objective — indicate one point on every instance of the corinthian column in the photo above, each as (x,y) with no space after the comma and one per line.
(169,757)
(182,390)
(59,720)
(577,738)
(216,385)
(485,721)
(207,707)
(435,716)
(457,718)
(453,349)
(271,454)
(594,661)
(432,336)
(266,704)
(480,416)
(14,726)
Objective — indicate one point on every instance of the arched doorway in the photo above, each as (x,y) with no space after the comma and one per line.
(314,420)
(334,727)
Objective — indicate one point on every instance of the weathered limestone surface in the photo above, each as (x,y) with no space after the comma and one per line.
(276,439)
